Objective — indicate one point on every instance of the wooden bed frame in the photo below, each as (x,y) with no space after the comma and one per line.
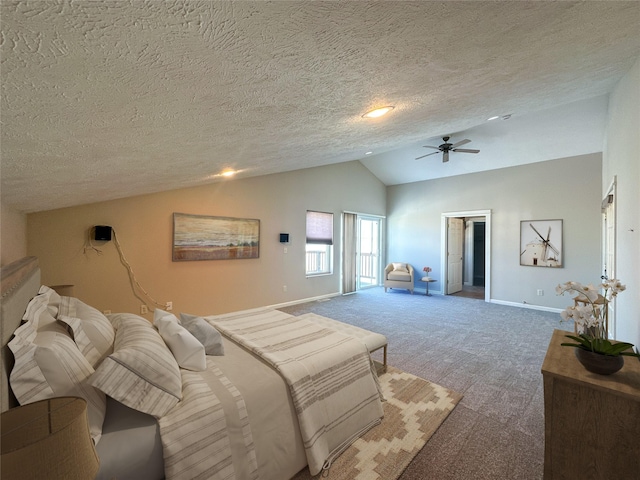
(20,283)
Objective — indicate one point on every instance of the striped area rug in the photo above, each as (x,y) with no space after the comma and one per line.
(414,410)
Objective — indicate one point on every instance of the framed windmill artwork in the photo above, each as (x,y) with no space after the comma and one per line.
(541,243)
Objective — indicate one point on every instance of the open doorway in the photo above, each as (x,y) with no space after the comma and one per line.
(466,254)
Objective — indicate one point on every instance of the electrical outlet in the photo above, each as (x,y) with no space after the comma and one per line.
(540,292)
(143,310)
(106,312)
(284,288)
(168,306)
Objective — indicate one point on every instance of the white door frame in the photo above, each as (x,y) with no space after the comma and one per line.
(487,247)
(609,239)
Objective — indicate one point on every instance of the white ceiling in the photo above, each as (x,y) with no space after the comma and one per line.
(109,99)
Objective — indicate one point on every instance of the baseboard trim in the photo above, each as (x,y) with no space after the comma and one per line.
(275,306)
(302,300)
(527,305)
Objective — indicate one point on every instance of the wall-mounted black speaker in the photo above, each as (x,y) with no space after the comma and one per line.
(102,233)
(284,238)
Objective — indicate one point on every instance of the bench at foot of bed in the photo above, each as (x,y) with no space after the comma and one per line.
(373,341)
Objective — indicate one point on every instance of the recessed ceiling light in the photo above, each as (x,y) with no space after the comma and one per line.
(368,153)
(228,173)
(495,117)
(378,112)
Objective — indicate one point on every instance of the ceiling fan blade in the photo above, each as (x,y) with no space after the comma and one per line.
(431,146)
(461,142)
(445,156)
(432,153)
(465,150)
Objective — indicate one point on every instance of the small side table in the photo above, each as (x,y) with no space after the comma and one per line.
(427,280)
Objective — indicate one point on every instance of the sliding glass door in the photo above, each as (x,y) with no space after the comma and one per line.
(368,254)
(362,240)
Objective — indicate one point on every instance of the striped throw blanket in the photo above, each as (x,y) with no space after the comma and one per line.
(329,374)
(195,439)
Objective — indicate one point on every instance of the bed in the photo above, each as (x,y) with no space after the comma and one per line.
(264,397)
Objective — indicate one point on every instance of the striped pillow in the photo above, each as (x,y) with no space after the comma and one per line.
(141,372)
(48,364)
(91,330)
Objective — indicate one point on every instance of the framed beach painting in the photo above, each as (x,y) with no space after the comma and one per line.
(541,243)
(200,237)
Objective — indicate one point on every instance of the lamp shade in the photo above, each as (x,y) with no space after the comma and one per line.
(48,439)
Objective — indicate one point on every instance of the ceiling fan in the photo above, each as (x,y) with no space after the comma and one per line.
(447,147)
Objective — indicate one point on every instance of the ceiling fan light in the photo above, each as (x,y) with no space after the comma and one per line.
(378,112)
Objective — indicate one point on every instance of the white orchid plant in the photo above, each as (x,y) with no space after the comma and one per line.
(591,315)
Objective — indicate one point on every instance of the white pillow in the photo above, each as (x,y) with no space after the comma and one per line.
(91,330)
(52,298)
(74,327)
(48,364)
(187,350)
(141,372)
(41,312)
(400,267)
(204,332)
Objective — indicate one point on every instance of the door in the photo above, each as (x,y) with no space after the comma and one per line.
(368,255)
(609,251)
(455,244)
(362,240)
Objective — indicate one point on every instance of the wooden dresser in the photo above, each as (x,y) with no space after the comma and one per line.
(592,422)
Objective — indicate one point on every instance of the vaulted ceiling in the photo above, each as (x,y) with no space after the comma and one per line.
(102,100)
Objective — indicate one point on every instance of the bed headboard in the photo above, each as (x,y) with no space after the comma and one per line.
(20,283)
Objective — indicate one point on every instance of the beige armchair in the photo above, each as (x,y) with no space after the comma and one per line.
(399,275)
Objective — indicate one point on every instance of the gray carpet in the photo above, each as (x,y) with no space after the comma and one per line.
(490,353)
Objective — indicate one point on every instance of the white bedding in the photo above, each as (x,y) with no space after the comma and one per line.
(276,435)
(208,433)
(244,385)
(330,376)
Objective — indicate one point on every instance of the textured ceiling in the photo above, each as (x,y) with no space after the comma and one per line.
(107,99)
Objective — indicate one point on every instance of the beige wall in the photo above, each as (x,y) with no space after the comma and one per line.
(622,161)
(567,189)
(144,228)
(13,235)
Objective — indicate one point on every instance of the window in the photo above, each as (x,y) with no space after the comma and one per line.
(319,243)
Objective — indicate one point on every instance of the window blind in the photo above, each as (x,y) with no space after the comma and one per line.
(319,228)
